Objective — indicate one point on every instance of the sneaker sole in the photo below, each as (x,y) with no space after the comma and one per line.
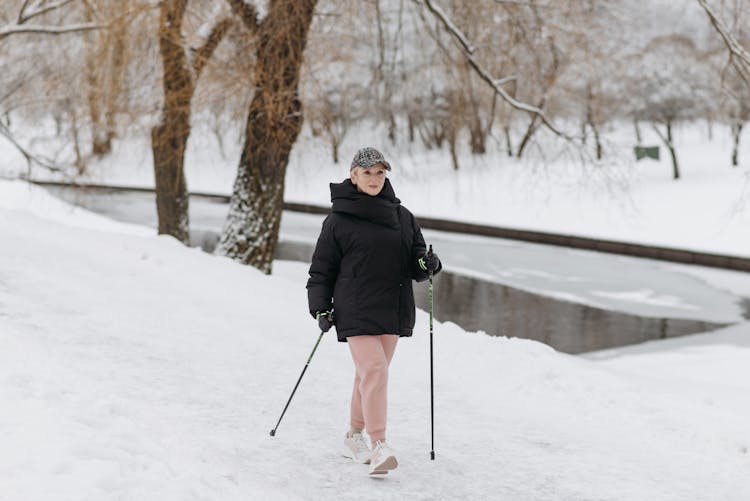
(385,466)
(362,461)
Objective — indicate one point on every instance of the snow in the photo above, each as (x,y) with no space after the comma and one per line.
(135,368)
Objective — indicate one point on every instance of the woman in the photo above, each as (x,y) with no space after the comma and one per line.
(369,250)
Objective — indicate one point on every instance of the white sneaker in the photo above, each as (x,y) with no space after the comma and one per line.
(382,459)
(357,448)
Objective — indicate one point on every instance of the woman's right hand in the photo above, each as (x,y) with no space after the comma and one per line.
(325,319)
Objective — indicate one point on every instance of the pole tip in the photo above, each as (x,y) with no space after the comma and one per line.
(432,455)
(273,433)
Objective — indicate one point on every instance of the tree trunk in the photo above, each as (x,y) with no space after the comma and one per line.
(476,137)
(597,138)
(736,134)
(169,138)
(452,144)
(168,142)
(508,142)
(80,161)
(533,125)
(335,150)
(584,135)
(637,127)
(392,128)
(114,87)
(251,231)
(670,145)
(94,64)
(527,137)
(477,132)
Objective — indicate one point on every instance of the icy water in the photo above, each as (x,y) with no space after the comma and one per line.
(575,301)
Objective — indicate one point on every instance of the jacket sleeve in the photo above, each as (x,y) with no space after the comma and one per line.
(419,249)
(324,270)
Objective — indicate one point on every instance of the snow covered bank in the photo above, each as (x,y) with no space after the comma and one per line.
(707,210)
(134,368)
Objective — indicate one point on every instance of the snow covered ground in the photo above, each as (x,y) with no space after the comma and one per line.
(135,368)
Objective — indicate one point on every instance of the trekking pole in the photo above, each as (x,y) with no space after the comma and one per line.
(432,391)
(273,432)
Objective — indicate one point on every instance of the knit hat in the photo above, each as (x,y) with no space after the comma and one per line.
(367,157)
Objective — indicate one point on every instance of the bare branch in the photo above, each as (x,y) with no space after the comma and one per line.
(740,57)
(30,157)
(451,27)
(203,54)
(23,8)
(504,80)
(22,17)
(18,29)
(246,12)
(484,74)
(661,135)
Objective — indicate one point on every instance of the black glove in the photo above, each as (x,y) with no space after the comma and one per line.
(325,320)
(429,262)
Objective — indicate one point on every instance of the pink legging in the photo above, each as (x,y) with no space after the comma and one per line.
(372,355)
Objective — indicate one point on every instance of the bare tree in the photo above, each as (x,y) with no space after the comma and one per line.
(336,84)
(182,68)
(22,26)
(274,121)
(590,84)
(670,86)
(735,81)
(468,50)
(333,113)
(106,63)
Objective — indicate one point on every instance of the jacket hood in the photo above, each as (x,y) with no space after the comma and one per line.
(380,209)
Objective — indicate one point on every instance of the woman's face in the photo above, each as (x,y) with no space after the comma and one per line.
(369,180)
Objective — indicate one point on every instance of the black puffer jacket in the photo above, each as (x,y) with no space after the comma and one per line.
(364,262)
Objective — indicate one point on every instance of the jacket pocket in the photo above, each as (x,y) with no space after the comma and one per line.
(406,305)
(345,303)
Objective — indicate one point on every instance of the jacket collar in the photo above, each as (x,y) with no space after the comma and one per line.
(379,209)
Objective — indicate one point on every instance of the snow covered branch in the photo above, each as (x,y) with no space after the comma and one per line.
(41,8)
(16,29)
(451,27)
(740,56)
(37,9)
(496,84)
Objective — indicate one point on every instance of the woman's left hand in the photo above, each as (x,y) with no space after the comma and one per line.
(429,262)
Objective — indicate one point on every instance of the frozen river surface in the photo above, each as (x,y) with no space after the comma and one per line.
(619,283)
